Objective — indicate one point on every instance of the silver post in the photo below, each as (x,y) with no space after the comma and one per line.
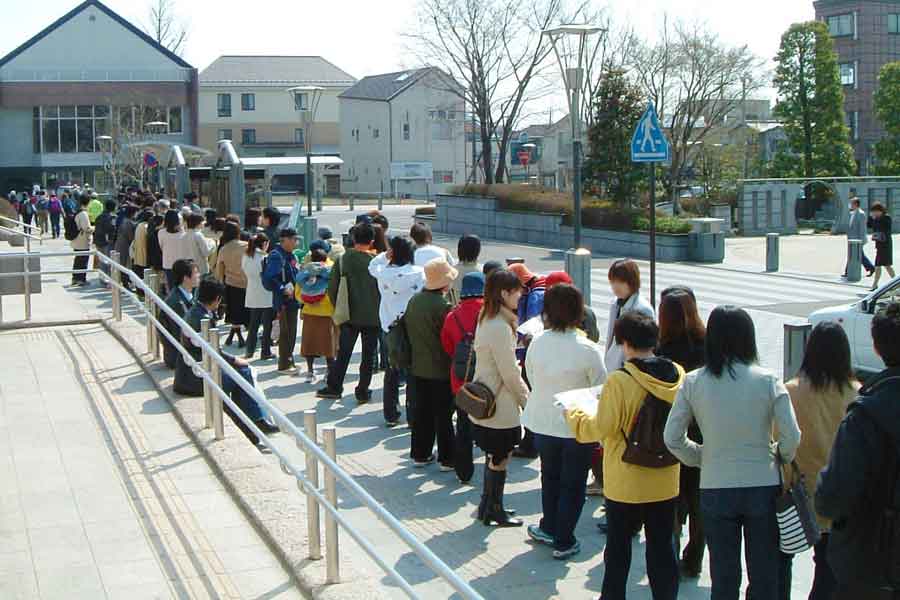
(27,282)
(116,281)
(218,425)
(332,553)
(207,391)
(795,338)
(578,266)
(854,260)
(312,473)
(772,252)
(152,281)
(352,202)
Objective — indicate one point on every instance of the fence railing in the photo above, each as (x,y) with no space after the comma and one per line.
(34,229)
(212,368)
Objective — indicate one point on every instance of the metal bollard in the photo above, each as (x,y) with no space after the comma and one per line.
(207,390)
(312,473)
(352,202)
(772,247)
(381,197)
(795,338)
(332,553)
(152,282)
(854,260)
(27,283)
(578,266)
(117,281)
(218,424)
(319,200)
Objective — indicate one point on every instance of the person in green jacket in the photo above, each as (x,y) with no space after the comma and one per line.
(433,403)
(352,270)
(94,208)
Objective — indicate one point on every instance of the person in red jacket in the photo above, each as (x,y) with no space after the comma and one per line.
(459,325)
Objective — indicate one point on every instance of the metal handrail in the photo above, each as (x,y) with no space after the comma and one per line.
(23,224)
(15,232)
(333,471)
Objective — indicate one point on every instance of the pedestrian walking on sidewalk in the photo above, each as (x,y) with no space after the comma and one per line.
(278,277)
(856,230)
(398,281)
(55,209)
(636,492)
(319,337)
(559,360)
(882,231)
(820,394)
(258,298)
(737,405)
(497,368)
(430,368)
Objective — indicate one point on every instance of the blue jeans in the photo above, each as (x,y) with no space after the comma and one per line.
(564,467)
(247,404)
(730,514)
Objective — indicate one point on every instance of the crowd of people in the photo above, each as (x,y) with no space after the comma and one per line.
(686,430)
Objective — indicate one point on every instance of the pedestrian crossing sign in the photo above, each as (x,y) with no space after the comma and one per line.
(649,143)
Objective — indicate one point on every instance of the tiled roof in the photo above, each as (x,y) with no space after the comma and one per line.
(312,70)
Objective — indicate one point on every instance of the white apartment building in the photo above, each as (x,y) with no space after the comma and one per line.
(403,133)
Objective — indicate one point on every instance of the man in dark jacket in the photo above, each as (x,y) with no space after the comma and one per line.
(105,232)
(278,277)
(181,299)
(860,480)
(362,291)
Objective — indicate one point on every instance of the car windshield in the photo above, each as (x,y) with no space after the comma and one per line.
(888,294)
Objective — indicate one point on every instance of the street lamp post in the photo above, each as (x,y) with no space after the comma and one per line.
(569,46)
(313,95)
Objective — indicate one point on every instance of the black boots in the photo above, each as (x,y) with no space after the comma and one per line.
(484,495)
(493,500)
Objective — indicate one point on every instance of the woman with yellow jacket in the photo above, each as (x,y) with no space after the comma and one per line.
(635,494)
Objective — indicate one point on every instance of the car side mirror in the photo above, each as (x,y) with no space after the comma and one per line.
(864,306)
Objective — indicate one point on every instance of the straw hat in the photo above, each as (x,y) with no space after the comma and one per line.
(439,274)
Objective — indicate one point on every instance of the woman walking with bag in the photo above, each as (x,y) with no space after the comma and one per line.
(882,230)
(821,392)
(737,405)
(496,368)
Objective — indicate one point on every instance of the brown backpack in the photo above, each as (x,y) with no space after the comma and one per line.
(645,447)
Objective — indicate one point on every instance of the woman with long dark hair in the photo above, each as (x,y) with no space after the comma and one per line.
(258,299)
(171,244)
(882,232)
(230,271)
(737,404)
(820,394)
(681,339)
(497,368)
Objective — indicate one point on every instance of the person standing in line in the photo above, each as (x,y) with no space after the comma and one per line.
(635,495)
(625,281)
(430,368)
(95,207)
(154,251)
(258,299)
(318,337)
(588,325)
(681,340)
(180,299)
(364,298)
(737,405)
(560,359)
(497,368)
(821,393)
(278,277)
(271,219)
(82,243)
(140,254)
(230,271)
(856,230)
(468,249)
(882,231)
(425,249)
(398,281)
(69,204)
(105,232)
(125,237)
(326,234)
(251,221)
(209,217)
(170,243)
(460,326)
(55,210)
(198,246)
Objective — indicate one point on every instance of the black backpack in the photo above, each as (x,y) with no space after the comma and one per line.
(70,227)
(644,446)
(462,369)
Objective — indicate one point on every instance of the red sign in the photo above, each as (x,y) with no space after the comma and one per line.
(524,157)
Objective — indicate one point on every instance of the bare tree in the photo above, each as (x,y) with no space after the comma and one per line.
(164,26)
(610,51)
(495,50)
(695,80)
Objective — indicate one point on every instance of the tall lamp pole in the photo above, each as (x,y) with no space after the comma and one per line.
(569,46)
(307,115)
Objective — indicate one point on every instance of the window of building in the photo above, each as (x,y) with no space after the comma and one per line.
(175,122)
(848,73)
(223,105)
(298,136)
(442,177)
(451,115)
(224,134)
(841,25)
(69,128)
(441,130)
(406,131)
(376,133)
(301,101)
(894,23)
(248,102)
(248,137)
(853,124)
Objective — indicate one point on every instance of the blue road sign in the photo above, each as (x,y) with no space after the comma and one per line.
(649,143)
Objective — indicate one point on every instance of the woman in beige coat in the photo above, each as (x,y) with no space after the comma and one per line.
(821,393)
(497,368)
(230,271)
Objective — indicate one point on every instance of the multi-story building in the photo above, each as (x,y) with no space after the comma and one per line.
(403,133)
(866,37)
(89,74)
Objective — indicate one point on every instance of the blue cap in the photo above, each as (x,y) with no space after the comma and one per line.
(472,285)
(320,245)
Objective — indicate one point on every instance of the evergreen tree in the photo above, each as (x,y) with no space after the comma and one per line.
(887,107)
(617,107)
(811,105)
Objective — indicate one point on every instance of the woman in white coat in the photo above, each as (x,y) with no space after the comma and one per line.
(625,282)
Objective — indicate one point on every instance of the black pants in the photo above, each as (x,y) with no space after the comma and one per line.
(658,519)
(264,317)
(434,411)
(824,583)
(79,264)
(349,334)
(390,395)
(689,511)
(462,457)
(287,337)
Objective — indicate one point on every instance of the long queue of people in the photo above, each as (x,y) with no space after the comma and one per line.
(686,430)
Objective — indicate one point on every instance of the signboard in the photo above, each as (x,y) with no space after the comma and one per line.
(649,143)
(412,170)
